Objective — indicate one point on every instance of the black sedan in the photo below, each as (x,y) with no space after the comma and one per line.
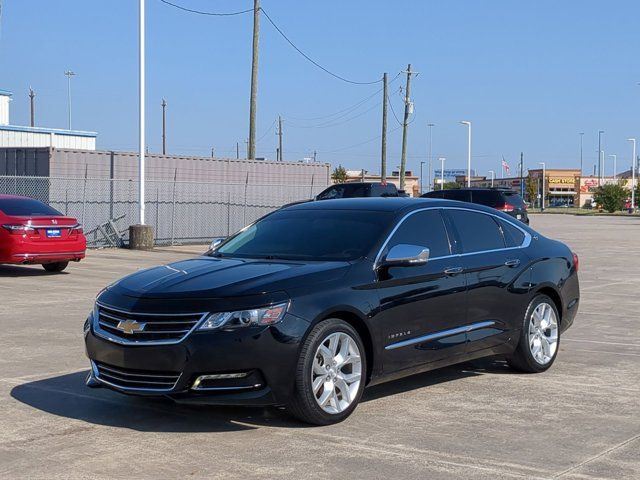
(310,304)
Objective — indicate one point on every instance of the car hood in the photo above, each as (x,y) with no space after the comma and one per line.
(209,277)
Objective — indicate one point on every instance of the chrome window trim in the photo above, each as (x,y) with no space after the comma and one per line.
(141,343)
(525,243)
(96,374)
(441,334)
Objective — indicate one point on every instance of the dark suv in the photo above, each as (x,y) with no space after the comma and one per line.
(502,199)
(359,189)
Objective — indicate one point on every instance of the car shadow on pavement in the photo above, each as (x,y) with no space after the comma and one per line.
(67,396)
(26,271)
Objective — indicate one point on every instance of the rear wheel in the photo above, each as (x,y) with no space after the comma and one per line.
(55,267)
(539,337)
(330,375)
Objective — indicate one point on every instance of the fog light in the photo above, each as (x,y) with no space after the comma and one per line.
(226,381)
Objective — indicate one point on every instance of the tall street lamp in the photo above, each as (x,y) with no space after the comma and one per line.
(600,132)
(69,74)
(141,114)
(468,124)
(442,159)
(430,125)
(615,160)
(421,164)
(633,174)
(544,174)
(493,177)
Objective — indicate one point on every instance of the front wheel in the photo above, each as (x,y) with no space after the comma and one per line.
(330,374)
(539,337)
(55,267)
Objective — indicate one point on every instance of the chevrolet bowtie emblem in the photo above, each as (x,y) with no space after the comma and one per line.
(130,326)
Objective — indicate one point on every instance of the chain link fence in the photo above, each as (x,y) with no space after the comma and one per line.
(181,212)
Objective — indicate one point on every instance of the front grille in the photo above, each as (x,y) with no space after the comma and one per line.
(129,379)
(128,327)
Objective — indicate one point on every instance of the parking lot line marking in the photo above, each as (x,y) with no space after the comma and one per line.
(601,454)
(604,351)
(603,343)
(406,451)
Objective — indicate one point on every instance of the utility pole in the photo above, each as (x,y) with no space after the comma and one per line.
(408,107)
(581,138)
(212,151)
(280,137)
(164,127)
(522,174)
(430,125)
(33,113)
(600,132)
(251,153)
(314,156)
(141,112)
(69,74)
(237,150)
(383,153)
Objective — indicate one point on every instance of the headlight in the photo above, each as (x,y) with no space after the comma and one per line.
(245,318)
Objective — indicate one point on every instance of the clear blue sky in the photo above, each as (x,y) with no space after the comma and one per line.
(529,75)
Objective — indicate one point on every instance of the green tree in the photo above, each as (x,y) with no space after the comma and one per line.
(339,175)
(611,196)
(451,185)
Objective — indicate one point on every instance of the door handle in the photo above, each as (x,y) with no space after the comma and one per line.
(512,263)
(452,270)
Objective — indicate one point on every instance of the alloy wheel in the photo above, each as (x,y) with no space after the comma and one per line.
(336,372)
(543,333)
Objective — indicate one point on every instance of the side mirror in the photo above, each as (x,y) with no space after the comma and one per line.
(216,242)
(404,255)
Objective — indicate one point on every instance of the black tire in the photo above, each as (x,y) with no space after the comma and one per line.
(55,267)
(303,405)
(522,358)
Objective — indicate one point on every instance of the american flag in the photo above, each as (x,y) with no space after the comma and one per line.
(505,165)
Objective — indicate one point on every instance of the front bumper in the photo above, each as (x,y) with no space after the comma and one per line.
(267,356)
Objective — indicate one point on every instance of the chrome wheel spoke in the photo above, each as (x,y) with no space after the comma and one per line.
(543,333)
(336,372)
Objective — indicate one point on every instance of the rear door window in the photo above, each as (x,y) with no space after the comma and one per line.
(477,231)
(26,207)
(514,199)
(425,229)
(513,237)
(486,197)
(455,194)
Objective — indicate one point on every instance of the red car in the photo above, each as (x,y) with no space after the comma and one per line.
(32,232)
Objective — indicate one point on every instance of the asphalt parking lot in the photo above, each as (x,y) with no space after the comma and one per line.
(580,420)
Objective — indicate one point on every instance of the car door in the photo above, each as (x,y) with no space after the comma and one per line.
(496,269)
(421,307)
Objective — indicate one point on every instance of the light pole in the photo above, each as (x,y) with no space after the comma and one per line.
(615,160)
(442,159)
(141,105)
(421,164)
(468,124)
(430,126)
(633,174)
(69,74)
(493,177)
(581,139)
(544,174)
(600,132)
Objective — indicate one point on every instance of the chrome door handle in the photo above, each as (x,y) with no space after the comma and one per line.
(452,270)
(512,263)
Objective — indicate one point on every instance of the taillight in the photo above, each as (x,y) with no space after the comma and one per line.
(576,261)
(507,207)
(76,229)
(18,229)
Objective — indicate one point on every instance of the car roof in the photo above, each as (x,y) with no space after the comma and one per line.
(14,197)
(384,204)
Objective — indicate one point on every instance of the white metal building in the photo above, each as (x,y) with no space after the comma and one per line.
(13,136)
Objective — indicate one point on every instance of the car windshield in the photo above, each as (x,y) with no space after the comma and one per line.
(322,235)
(26,207)
(514,199)
(346,190)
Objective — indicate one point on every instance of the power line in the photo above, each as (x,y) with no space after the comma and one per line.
(310,59)
(333,123)
(393,111)
(358,144)
(211,14)
(267,130)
